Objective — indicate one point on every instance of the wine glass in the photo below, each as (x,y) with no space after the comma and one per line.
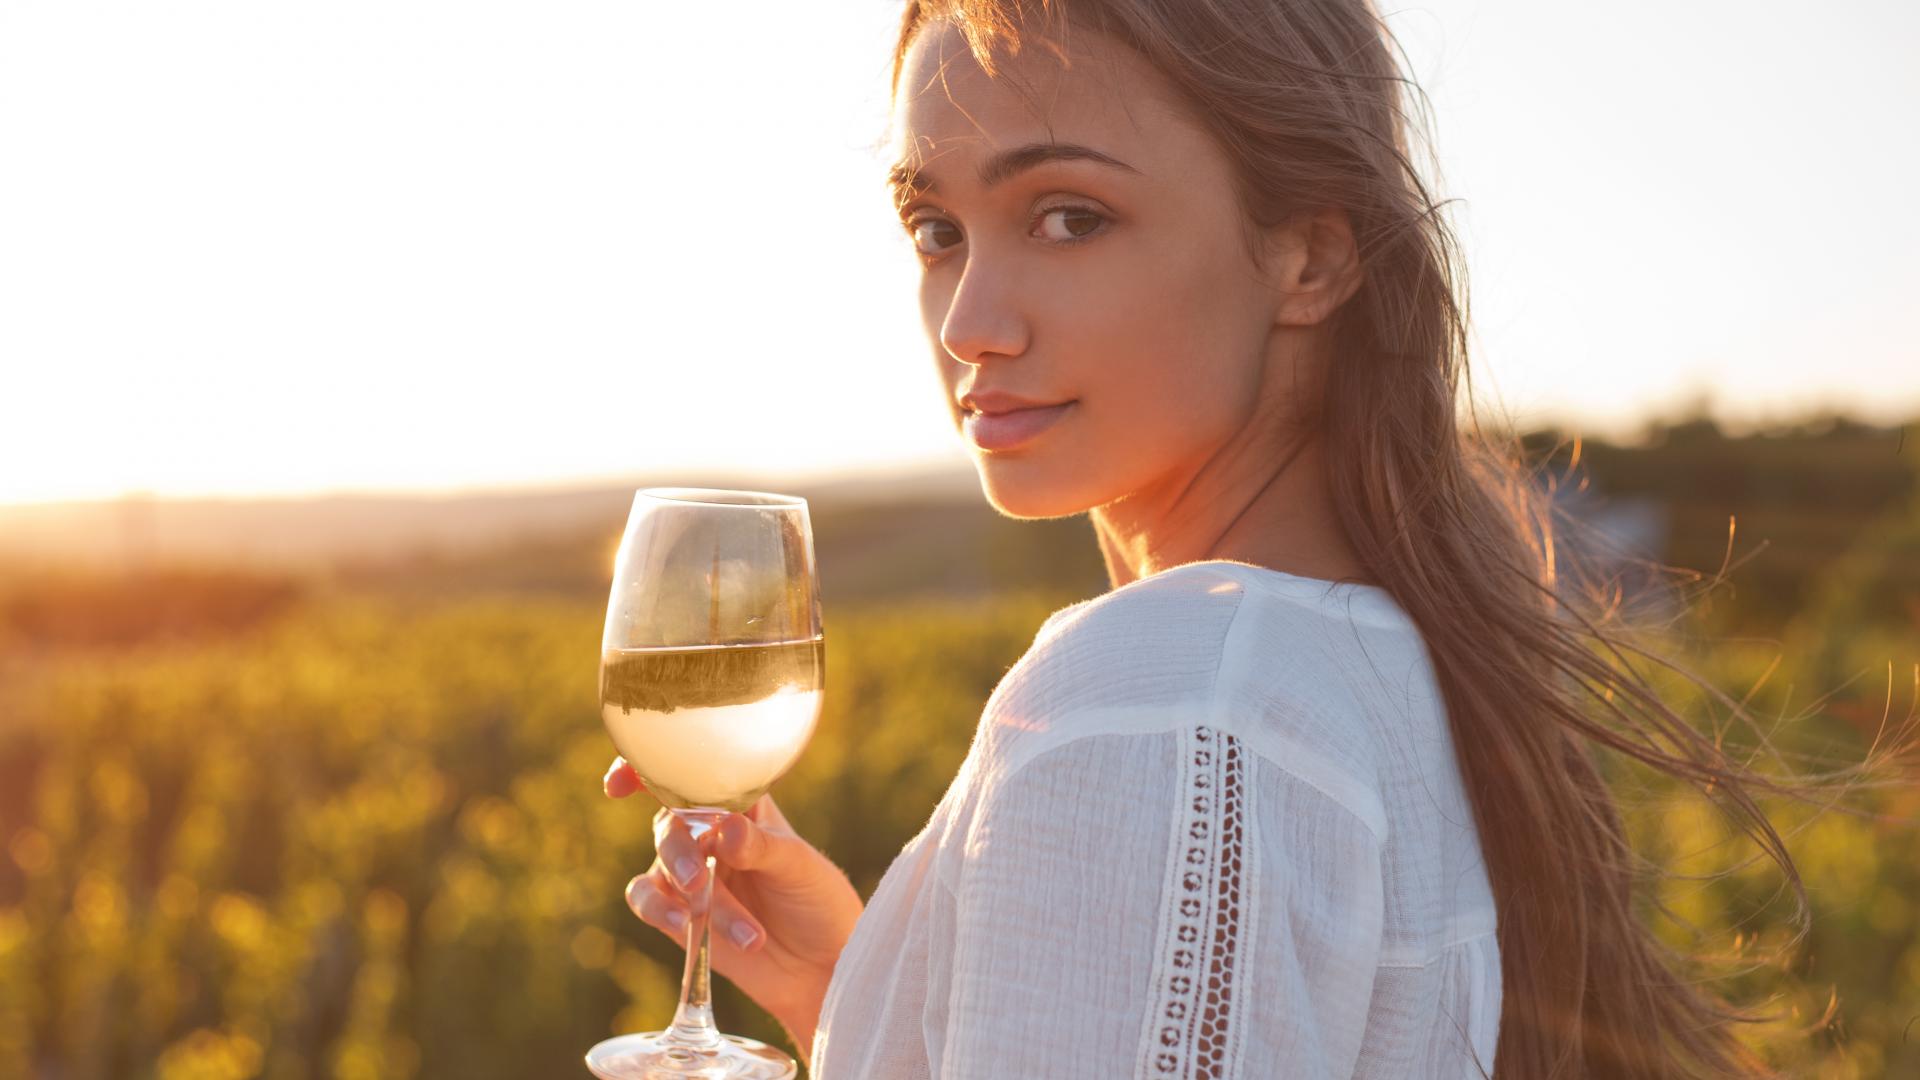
(711,668)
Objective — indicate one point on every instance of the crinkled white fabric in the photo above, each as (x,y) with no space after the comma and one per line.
(1210,826)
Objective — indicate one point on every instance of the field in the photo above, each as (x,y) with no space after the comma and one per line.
(350,826)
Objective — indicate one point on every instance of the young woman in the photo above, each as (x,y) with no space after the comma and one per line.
(1308,793)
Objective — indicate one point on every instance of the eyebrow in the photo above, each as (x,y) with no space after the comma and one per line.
(905,177)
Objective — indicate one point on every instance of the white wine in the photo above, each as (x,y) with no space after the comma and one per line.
(727,578)
(712,725)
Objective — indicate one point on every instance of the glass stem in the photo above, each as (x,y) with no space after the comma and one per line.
(693,1020)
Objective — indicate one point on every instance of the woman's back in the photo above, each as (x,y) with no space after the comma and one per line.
(1210,823)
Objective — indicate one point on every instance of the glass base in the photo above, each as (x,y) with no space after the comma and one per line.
(645,1056)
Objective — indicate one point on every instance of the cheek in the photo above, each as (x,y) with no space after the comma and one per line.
(1171,365)
(1161,344)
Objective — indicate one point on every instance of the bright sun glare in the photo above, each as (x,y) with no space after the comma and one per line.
(302,248)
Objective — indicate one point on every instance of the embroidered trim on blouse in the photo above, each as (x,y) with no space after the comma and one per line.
(1194,1034)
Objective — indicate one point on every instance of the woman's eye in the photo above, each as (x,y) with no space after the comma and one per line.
(1060,225)
(1076,223)
(931,236)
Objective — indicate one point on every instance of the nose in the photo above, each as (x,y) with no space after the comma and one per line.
(984,318)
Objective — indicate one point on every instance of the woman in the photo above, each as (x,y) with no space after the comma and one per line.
(1308,793)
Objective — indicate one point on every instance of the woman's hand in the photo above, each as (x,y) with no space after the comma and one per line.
(781,911)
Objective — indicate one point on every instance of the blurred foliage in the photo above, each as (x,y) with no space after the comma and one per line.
(269,828)
(55,609)
(367,839)
(1780,504)
(868,551)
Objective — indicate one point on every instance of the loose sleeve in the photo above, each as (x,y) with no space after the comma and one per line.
(1163,906)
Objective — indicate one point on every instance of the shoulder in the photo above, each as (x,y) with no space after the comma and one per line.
(1151,644)
(1178,614)
(1187,607)
(1290,667)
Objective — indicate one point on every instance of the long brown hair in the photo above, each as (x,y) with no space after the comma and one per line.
(1536,664)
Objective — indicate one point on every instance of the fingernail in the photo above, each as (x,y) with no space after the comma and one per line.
(742,934)
(676,919)
(685,869)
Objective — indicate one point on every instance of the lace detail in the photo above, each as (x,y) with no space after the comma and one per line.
(1193,1034)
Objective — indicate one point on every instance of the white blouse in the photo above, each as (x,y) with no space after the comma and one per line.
(1210,826)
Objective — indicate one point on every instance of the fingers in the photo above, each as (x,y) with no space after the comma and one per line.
(678,851)
(621,781)
(737,844)
(766,812)
(734,922)
(658,904)
(746,844)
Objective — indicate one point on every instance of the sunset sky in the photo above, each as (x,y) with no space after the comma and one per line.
(253,248)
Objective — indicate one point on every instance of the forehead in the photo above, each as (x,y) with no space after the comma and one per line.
(1102,95)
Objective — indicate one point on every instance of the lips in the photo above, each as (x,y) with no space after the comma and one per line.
(1007,429)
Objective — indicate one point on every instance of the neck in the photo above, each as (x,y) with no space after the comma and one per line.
(1267,505)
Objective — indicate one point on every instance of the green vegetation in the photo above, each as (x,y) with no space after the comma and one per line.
(252,827)
(367,840)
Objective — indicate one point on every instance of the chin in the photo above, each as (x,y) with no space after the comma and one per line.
(1025,489)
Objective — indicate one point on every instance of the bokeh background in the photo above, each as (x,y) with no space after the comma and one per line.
(334,339)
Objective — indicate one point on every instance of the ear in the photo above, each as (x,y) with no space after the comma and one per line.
(1315,266)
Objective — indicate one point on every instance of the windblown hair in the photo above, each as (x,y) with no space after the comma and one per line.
(1537,669)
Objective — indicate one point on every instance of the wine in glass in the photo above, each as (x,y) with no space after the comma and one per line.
(711,670)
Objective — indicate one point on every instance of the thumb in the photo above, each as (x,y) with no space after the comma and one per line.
(744,844)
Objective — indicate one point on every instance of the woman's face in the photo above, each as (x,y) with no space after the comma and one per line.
(1103,294)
